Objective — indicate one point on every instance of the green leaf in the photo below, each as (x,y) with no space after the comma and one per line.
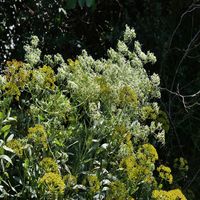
(41,118)
(81,3)
(8,149)
(10,137)
(5,128)
(90,3)
(71,4)
(1,115)
(5,157)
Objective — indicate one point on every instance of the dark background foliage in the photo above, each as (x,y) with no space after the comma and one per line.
(170,29)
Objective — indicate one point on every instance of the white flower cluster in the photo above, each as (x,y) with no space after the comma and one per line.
(129,34)
(32,53)
(53,60)
(117,83)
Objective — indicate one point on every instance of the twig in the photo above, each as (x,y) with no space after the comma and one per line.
(189,10)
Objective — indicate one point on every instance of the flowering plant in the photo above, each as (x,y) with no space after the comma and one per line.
(86,128)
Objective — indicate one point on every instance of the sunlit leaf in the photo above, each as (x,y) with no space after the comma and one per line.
(8,149)
(5,128)
(5,157)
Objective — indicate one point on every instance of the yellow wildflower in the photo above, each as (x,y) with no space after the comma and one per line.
(148,153)
(94,183)
(49,165)
(168,195)
(147,112)
(70,180)
(127,96)
(73,64)
(44,77)
(38,135)
(17,75)
(52,184)
(117,191)
(165,173)
(16,146)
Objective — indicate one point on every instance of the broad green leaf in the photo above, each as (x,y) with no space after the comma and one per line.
(5,157)
(5,128)
(90,3)
(71,4)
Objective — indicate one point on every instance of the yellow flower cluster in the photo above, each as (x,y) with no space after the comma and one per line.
(38,135)
(120,132)
(17,146)
(139,167)
(105,88)
(70,180)
(45,77)
(131,168)
(73,64)
(52,184)
(117,191)
(94,183)
(147,112)
(168,195)
(128,97)
(165,173)
(49,165)
(147,152)
(17,75)
(12,90)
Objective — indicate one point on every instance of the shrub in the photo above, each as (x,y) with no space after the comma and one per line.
(88,129)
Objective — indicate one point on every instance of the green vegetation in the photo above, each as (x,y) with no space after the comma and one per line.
(84,129)
(170,29)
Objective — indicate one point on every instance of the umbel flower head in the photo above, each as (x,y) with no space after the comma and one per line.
(38,136)
(32,55)
(17,146)
(117,191)
(165,173)
(49,165)
(168,195)
(52,184)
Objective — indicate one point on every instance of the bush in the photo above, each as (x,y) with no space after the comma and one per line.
(85,129)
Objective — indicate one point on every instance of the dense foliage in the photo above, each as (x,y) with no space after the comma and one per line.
(85,129)
(169,28)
